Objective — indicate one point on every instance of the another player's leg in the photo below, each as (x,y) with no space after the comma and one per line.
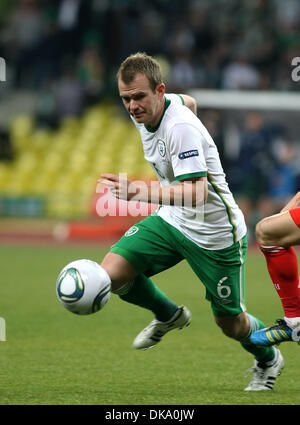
(275,236)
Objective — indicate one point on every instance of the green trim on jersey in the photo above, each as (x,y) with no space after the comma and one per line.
(154,129)
(191,175)
(181,98)
(227,207)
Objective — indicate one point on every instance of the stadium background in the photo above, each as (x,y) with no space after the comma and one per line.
(62,124)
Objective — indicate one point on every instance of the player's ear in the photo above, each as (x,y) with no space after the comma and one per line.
(160,89)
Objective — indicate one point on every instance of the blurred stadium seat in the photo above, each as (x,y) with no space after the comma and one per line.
(61,167)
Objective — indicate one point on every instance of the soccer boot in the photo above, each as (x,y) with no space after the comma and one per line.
(154,332)
(276,334)
(264,376)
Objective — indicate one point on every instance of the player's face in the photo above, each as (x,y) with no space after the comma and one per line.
(144,104)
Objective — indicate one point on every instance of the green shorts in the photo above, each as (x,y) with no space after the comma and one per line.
(152,246)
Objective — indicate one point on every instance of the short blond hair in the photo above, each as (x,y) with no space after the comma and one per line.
(143,64)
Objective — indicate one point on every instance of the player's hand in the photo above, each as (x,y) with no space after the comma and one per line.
(120,187)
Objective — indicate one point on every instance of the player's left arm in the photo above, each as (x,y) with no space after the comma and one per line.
(190,192)
(190,102)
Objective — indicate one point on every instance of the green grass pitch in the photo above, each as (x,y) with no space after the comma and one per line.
(54,357)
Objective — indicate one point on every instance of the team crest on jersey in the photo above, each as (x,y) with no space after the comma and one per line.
(161,147)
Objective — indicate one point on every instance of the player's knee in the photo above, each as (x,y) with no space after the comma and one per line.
(118,280)
(119,270)
(262,232)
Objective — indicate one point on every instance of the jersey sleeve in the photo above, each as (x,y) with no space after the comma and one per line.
(187,152)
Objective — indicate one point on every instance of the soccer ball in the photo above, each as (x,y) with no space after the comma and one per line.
(83,287)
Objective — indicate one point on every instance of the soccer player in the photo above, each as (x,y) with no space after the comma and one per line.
(276,236)
(197,220)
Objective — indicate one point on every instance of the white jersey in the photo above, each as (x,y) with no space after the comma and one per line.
(179,148)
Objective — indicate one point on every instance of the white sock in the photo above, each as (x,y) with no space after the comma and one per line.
(292,322)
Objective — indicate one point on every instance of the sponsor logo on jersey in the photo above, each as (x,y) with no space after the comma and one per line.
(161,147)
(188,154)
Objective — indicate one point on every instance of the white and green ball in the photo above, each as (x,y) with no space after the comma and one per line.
(83,287)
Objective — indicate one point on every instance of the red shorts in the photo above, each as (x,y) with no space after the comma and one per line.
(295,214)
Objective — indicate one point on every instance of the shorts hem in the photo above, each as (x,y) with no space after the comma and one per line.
(228,312)
(138,265)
